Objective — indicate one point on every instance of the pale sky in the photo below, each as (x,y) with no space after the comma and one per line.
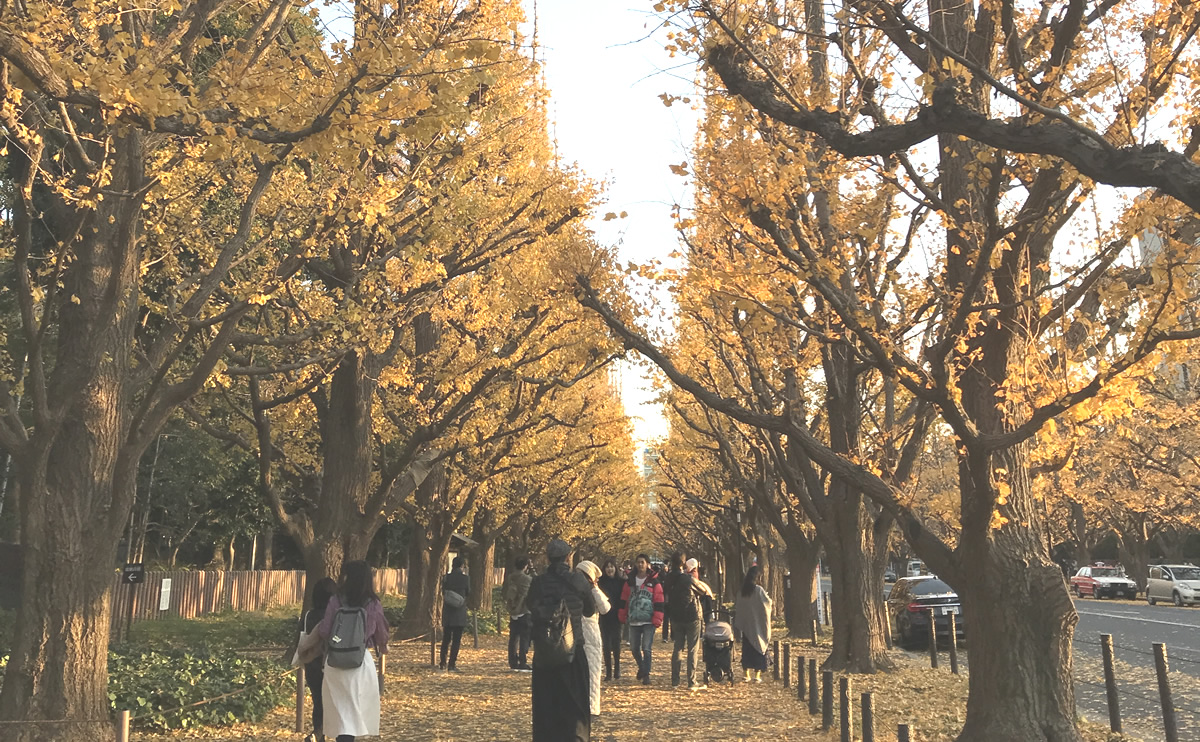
(606,68)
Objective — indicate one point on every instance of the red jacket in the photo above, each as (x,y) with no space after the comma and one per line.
(651,584)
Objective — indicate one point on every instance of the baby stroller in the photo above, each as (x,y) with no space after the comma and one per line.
(718,652)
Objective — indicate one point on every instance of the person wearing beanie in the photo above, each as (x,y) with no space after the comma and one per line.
(561,693)
(687,621)
(592,642)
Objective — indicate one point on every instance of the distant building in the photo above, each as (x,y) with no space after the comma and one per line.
(650,459)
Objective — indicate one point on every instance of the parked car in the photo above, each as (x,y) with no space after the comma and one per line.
(1100,581)
(889,575)
(1178,583)
(916,568)
(909,605)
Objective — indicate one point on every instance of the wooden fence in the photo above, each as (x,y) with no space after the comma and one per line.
(198,593)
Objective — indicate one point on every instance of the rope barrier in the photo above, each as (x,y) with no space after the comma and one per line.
(220,697)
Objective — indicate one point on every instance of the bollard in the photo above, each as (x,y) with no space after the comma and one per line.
(123,726)
(433,646)
(475,628)
(933,658)
(814,634)
(800,684)
(382,671)
(812,686)
(826,598)
(1110,683)
(826,699)
(903,733)
(868,717)
(887,628)
(300,699)
(1170,726)
(846,709)
(775,659)
(953,644)
(787,665)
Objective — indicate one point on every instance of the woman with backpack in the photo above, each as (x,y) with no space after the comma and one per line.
(353,624)
(559,599)
(642,609)
(752,617)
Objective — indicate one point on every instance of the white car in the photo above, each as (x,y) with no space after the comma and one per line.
(1178,583)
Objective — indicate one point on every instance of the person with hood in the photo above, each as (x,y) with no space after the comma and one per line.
(752,617)
(611,582)
(561,702)
(592,643)
(642,610)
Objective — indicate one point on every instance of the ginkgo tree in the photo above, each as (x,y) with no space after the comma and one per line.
(981,330)
(118,123)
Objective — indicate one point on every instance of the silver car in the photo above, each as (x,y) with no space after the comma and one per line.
(1178,583)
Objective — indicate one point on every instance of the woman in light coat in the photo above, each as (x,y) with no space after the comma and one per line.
(752,617)
(592,643)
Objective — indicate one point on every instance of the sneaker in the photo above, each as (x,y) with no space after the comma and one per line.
(524,668)
(701,686)
(645,680)
(454,669)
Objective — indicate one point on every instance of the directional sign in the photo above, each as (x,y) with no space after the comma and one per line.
(133,574)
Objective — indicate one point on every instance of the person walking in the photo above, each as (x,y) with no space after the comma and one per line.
(642,610)
(610,623)
(520,623)
(311,653)
(561,703)
(350,695)
(456,588)
(592,641)
(672,569)
(752,617)
(687,621)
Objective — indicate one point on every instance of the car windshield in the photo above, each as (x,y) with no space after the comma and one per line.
(931,587)
(1186,573)
(1105,572)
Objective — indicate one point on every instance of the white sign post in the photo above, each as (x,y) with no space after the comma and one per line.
(164,595)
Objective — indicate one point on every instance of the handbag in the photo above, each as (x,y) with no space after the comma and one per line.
(308,646)
(454,600)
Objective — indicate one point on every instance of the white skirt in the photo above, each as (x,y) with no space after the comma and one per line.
(351,700)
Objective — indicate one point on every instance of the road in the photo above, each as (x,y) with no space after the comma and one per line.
(1134,628)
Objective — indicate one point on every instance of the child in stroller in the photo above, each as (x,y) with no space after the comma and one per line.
(718,651)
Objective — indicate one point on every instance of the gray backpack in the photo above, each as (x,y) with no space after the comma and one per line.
(347,639)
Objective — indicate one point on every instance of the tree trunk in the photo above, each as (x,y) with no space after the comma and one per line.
(1133,545)
(481,561)
(1079,532)
(857,580)
(801,561)
(268,549)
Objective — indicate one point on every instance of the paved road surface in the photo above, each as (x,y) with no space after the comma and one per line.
(1134,628)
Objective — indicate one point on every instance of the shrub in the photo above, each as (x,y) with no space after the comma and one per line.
(153,684)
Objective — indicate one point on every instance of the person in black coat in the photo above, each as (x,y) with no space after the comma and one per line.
(561,699)
(611,582)
(454,617)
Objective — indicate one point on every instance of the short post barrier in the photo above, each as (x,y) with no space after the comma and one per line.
(868,717)
(787,665)
(775,659)
(1110,683)
(299,699)
(887,629)
(382,671)
(846,709)
(933,656)
(801,686)
(904,733)
(825,595)
(475,628)
(122,726)
(826,700)
(812,686)
(433,646)
(953,643)
(1170,725)
(814,632)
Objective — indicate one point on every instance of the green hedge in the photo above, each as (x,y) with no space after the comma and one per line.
(152,684)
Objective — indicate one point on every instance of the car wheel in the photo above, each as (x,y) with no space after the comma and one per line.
(1075,590)
(1178,599)
(1150,600)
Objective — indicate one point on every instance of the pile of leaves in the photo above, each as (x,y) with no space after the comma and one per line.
(161,689)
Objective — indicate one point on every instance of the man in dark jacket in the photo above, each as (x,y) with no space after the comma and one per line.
(561,706)
(454,611)
(520,623)
(687,621)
